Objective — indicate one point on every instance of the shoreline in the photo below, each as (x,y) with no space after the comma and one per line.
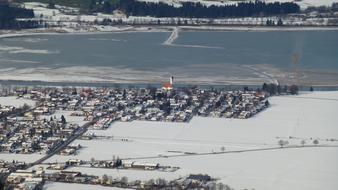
(143,84)
(152,28)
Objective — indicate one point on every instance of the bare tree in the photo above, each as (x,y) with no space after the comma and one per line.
(303,142)
(222,148)
(282,143)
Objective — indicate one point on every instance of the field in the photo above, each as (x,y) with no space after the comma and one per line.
(57,186)
(252,157)
(82,4)
(16,102)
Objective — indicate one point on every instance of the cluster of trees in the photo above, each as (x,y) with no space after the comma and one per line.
(104,6)
(275,89)
(283,143)
(198,10)
(272,23)
(323,9)
(9,14)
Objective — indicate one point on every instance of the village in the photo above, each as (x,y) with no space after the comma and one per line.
(44,129)
(32,130)
(63,122)
(57,116)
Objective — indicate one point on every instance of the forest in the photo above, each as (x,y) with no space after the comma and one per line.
(198,10)
(9,15)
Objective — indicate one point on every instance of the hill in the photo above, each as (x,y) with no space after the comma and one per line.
(84,5)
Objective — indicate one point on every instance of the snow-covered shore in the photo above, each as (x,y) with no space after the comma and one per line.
(151,28)
(232,75)
(86,74)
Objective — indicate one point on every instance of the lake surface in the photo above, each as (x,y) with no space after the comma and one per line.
(192,56)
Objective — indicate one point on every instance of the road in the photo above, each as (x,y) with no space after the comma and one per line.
(77,134)
(219,152)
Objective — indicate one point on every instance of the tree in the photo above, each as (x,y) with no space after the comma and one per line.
(265,87)
(293,89)
(282,143)
(51,5)
(91,5)
(107,8)
(267,103)
(25,107)
(316,142)
(311,89)
(92,160)
(63,119)
(245,89)
(222,148)
(303,142)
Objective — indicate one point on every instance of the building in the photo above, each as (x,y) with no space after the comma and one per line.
(169,85)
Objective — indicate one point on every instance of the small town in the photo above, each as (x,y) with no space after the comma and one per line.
(37,129)
(168,94)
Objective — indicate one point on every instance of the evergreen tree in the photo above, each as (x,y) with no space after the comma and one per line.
(293,89)
(63,119)
(107,8)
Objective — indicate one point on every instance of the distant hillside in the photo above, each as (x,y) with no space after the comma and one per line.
(84,5)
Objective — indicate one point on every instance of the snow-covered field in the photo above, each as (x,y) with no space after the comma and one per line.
(58,186)
(16,102)
(28,158)
(129,75)
(310,115)
(67,114)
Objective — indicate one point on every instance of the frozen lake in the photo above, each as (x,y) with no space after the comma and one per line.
(229,57)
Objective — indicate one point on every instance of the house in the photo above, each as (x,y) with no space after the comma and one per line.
(20,175)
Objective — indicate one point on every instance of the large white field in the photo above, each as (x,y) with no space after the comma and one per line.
(310,115)
(67,114)
(58,186)
(15,101)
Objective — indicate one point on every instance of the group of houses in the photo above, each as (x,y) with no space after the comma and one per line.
(151,104)
(30,134)
(37,131)
(35,179)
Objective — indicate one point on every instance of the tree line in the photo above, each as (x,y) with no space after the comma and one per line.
(274,89)
(198,10)
(9,15)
